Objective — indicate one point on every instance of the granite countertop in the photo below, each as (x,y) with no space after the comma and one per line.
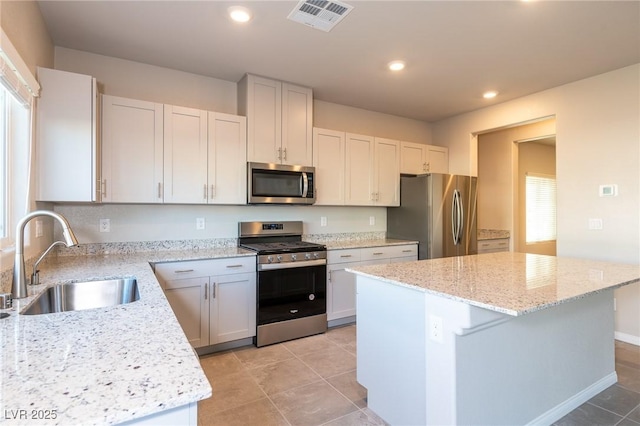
(507,282)
(492,234)
(352,244)
(105,365)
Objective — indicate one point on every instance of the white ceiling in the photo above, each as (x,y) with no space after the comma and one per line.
(454,50)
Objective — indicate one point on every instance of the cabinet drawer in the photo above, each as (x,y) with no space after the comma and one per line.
(234,265)
(409,250)
(343,256)
(487,246)
(374,253)
(180,270)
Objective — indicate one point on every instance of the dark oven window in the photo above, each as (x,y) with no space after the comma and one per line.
(285,294)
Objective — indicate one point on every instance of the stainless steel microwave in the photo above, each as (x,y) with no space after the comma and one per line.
(270,183)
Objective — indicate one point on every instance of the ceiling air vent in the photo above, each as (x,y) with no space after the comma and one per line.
(320,14)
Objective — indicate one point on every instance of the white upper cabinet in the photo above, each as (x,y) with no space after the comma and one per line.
(437,159)
(185,155)
(227,175)
(66,143)
(279,120)
(329,161)
(387,172)
(359,170)
(132,151)
(419,158)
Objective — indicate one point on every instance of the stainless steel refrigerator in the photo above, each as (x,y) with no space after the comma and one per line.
(439,211)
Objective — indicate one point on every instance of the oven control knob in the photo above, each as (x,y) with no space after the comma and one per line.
(307,256)
(270,259)
(279,257)
(294,257)
(316,255)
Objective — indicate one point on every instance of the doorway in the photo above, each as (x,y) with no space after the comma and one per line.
(505,157)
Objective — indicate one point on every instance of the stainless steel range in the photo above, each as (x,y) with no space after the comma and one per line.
(291,284)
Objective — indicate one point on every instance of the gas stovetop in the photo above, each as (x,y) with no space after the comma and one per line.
(274,247)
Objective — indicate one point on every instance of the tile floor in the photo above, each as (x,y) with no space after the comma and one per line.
(312,381)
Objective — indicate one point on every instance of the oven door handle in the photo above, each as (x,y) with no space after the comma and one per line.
(288,265)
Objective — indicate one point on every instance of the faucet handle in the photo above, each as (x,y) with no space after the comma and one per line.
(35,277)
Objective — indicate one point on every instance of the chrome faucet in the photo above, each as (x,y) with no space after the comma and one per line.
(19,286)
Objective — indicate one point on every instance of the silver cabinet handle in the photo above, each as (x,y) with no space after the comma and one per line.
(104,188)
(424,167)
(182,271)
(279,153)
(159,190)
(204,192)
(284,155)
(234,266)
(213,191)
(206,290)
(378,253)
(213,291)
(345,255)
(328,275)
(428,167)
(407,251)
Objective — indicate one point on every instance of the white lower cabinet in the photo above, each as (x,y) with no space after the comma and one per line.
(213,300)
(341,285)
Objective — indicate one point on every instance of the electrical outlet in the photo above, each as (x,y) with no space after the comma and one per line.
(200,223)
(38,228)
(105,225)
(435,328)
(372,220)
(595,224)
(323,221)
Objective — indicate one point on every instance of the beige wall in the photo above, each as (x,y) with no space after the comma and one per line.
(532,158)
(497,175)
(597,142)
(22,22)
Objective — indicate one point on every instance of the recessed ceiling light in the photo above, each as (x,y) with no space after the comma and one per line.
(490,95)
(239,13)
(396,65)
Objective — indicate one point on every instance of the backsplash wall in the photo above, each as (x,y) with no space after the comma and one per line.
(131,223)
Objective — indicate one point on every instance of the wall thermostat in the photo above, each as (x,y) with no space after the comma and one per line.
(608,190)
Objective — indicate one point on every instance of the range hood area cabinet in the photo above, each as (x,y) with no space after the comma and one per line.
(66,137)
(279,120)
(417,158)
(356,170)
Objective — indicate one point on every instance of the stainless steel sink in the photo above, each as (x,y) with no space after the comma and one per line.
(84,295)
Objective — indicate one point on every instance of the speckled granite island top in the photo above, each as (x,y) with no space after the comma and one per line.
(507,282)
(106,365)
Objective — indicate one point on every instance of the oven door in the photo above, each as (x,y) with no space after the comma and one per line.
(291,293)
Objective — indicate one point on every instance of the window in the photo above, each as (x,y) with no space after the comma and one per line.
(540,207)
(15,129)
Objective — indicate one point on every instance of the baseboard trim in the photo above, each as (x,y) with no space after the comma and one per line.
(575,401)
(627,338)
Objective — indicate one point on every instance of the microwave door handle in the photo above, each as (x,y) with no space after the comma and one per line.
(305,184)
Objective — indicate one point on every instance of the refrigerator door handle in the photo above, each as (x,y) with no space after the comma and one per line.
(454,217)
(460,217)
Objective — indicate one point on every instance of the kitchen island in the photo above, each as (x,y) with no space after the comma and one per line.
(129,363)
(500,338)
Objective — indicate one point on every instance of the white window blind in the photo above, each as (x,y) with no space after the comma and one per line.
(540,207)
(15,75)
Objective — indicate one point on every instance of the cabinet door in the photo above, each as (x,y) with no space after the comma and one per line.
(264,119)
(341,291)
(132,150)
(227,162)
(66,144)
(387,172)
(359,189)
(185,155)
(328,159)
(413,158)
(233,307)
(437,159)
(297,125)
(189,300)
